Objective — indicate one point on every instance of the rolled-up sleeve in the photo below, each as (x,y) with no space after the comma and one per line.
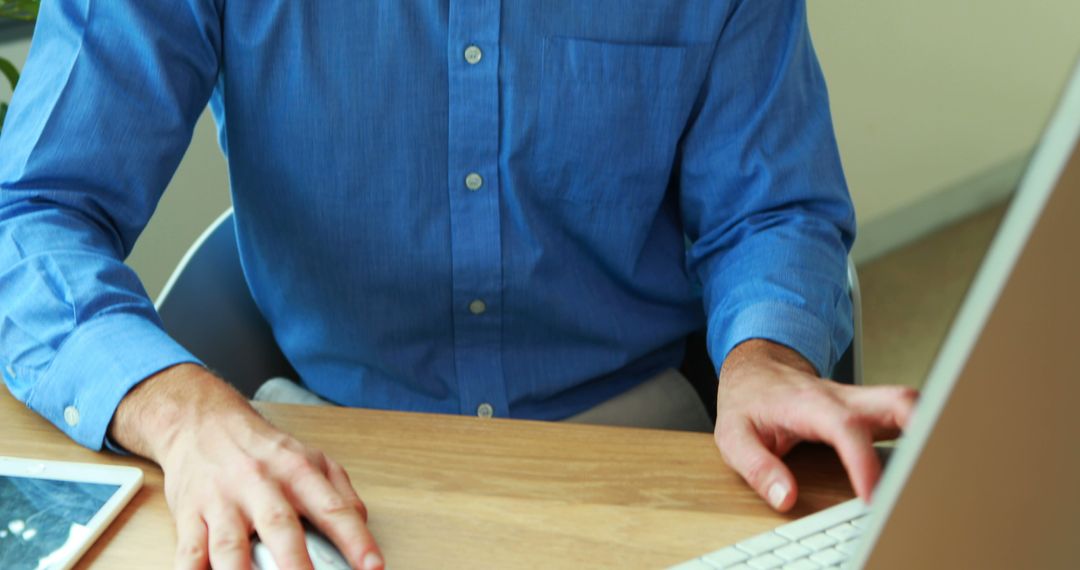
(102,115)
(763,196)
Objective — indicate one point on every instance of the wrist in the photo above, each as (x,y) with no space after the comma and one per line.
(761,351)
(176,401)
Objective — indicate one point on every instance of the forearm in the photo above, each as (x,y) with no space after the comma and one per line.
(156,412)
(81,171)
(78,331)
(763,200)
(786,284)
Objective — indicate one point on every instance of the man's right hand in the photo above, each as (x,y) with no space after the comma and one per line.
(229,472)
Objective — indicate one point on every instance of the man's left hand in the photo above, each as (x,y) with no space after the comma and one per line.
(770,399)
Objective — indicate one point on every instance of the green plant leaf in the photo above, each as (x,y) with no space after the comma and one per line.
(14,10)
(10,71)
(19,9)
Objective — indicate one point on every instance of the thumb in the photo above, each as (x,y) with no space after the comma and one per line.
(741,447)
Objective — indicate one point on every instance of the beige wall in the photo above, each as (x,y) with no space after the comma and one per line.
(925,94)
(196,196)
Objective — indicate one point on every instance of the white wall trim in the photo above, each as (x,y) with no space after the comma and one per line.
(896,229)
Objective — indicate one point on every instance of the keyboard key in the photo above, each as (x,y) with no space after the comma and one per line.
(848,547)
(765,562)
(828,557)
(828,535)
(804,564)
(695,564)
(819,541)
(842,532)
(822,520)
(761,543)
(726,557)
(792,551)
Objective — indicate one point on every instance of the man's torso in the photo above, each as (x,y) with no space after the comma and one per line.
(351,129)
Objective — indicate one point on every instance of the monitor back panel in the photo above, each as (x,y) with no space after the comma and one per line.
(997,484)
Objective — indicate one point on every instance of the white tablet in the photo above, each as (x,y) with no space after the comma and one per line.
(52,511)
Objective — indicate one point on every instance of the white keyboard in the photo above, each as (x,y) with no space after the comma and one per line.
(825,539)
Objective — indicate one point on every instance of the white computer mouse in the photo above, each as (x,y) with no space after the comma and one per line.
(324,556)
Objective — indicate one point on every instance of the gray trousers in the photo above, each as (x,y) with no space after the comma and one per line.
(665,401)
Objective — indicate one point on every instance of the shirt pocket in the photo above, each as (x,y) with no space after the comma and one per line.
(610,117)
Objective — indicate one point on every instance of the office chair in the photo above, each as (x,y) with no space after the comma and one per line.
(207,307)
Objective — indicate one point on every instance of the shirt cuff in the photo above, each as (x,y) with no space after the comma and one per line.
(781,323)
(97,365)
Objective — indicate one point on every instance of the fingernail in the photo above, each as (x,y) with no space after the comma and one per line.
(777,493)
(373,561)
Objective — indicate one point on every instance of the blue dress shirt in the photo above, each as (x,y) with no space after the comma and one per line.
(439,204)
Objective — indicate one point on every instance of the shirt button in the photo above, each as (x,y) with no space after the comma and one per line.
(71,416)
(10,372)
(485,410)
(477,307)
(474,181)
(473,55)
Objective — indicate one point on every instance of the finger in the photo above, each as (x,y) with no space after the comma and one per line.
(888,408)
(339,478)
(230,548)
(742,449)
(278,527)
(855,445)
(829,420)
(336,516)
(191,551)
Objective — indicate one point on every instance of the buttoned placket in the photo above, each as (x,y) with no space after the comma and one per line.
(473,52)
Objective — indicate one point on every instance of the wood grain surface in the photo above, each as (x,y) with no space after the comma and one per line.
(463,492)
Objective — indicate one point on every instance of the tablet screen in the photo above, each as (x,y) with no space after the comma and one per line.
(43,520)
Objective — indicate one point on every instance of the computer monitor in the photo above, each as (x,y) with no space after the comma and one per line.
(988,473)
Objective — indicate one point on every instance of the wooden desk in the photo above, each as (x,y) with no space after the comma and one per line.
(462,492)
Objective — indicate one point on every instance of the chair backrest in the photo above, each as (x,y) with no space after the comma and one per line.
(207,307)
(854,352)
